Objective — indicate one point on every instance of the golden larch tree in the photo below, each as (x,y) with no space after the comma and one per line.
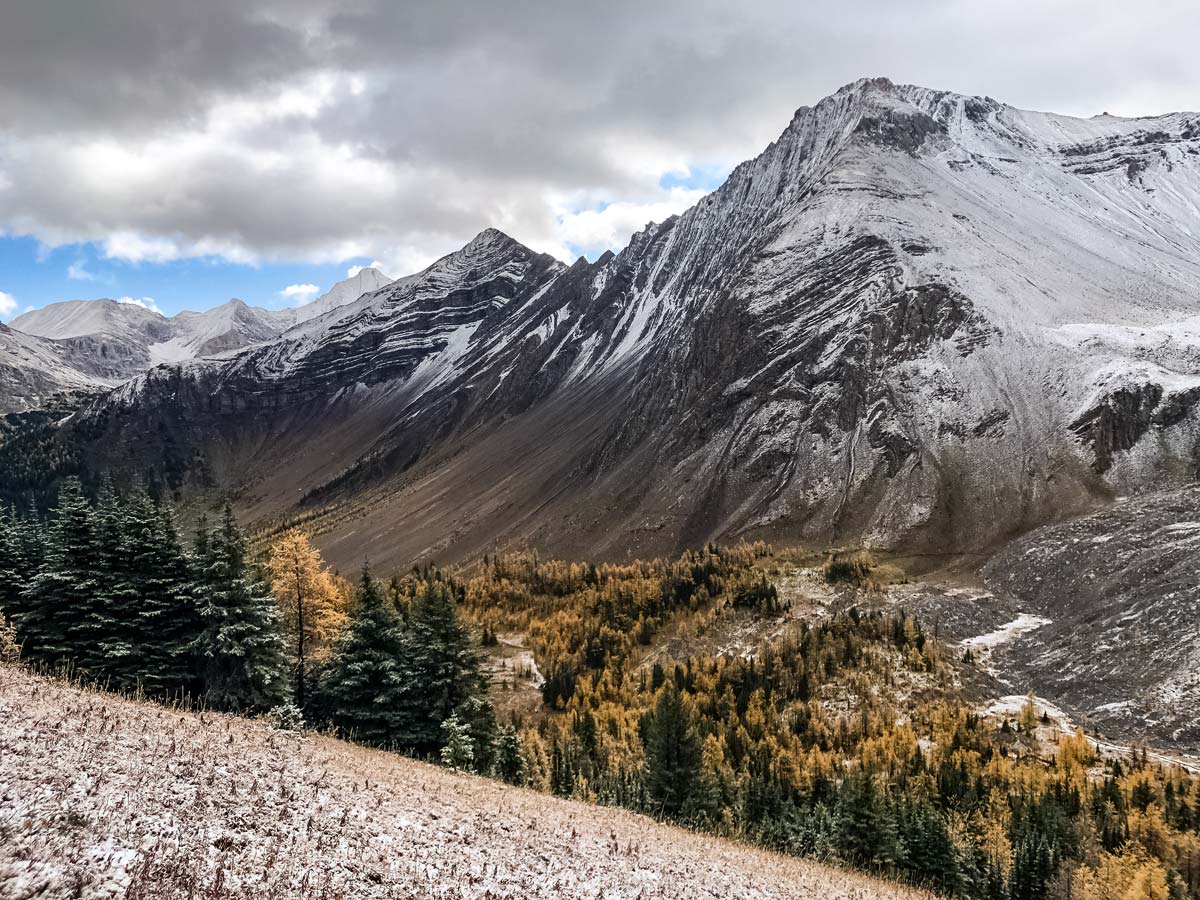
(313,608)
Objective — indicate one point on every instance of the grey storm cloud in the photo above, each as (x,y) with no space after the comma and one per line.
(319,130)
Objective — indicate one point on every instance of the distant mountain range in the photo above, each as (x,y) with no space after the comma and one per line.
(97,344)
(918,319)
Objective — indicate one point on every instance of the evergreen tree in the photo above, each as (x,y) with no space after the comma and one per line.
(365,685)
(240,645)
(11,576)
(926,850)
(164,622)
(477,716)
(672,753)
(507,764)
(110,624)
(864,828)
(441,666)
(1032,869)
(59,600)
(21,553)
(458,749)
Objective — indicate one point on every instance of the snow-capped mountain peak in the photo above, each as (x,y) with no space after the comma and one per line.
(912,306)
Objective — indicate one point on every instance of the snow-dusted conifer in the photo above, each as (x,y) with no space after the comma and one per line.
(366,680)
(164,621)
(60,597)
(240,646)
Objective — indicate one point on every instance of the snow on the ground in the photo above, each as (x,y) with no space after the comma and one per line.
(1010,707)
(1012,704)
(174,350)
(1006,632)
(984,644)
(106,797)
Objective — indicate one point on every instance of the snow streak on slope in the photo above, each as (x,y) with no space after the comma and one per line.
(911,307)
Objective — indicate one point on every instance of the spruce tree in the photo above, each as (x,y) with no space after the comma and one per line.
(365,684)
(477,716)
(441,664)
(672,753)
(240,646)
(109,627)
(164,621)
(864,827)
(458,749)
(26,552)
(926,849)
(11,582)
(59,599)
(507,763)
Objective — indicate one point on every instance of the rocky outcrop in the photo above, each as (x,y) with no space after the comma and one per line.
(1117,586)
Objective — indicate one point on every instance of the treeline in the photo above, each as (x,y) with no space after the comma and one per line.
(844,739)
(107,591)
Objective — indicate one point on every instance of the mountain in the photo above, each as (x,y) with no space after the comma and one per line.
(1113,588)
(97,344)
(33,370)
(365,281)
(79,318)
(918,319)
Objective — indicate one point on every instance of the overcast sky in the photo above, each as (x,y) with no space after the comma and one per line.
(186,151)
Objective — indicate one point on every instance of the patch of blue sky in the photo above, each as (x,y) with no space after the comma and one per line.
(35,276)
(698,177)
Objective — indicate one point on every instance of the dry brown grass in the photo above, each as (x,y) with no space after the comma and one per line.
(102,796)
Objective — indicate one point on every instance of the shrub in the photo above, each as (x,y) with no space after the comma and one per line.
(851,567)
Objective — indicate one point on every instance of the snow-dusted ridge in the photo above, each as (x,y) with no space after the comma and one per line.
(916,318)
(96,344)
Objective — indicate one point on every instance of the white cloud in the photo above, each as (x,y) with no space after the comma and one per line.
(254,132)
(300,293)
(596,230)
(354,270)
(77,271)
(8,305)
(144,302)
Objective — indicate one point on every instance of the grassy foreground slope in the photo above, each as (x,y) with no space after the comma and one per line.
(102,796)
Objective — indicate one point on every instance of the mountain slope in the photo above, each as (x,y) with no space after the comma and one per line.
(914,306)
(1114,587)
(34,369)
(115,798)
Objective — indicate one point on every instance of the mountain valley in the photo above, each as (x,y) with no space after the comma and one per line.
(884,454)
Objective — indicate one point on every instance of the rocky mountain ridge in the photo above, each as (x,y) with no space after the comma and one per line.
(97,344)
(918,319)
